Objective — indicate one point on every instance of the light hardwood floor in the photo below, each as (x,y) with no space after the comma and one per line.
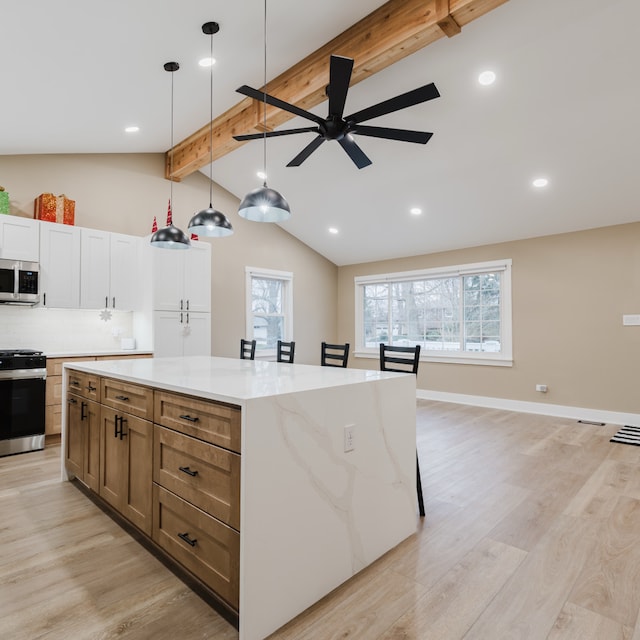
(532,532)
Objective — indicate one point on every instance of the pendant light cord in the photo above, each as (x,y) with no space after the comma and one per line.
(264,108)
(171,155)
(211,124)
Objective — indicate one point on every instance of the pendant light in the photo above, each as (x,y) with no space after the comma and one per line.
(264,204)
(170,237)
(209,221)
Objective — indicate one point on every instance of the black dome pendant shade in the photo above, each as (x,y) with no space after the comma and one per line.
(264,205)
(170,237)
(210,222)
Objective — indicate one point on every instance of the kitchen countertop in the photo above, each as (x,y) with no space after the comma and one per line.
(230,380)
(88,354)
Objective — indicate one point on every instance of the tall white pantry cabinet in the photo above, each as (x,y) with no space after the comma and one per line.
(181,300)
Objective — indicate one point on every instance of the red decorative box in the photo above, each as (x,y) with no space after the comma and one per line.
(52,208)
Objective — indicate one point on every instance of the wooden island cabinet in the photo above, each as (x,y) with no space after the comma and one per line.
(237,473)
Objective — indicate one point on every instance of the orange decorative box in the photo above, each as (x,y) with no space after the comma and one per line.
(55,208)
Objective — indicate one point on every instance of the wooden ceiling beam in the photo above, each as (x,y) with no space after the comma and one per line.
(395,30)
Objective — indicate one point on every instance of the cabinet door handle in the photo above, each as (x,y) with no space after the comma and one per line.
(187,305)
(123,421)
(123,398)
(187,539)
(189,418)
(73,401)
(91,388)
(187,317)
(114,302)
(115,424)
(188,471)
(181,314)
(83,406)
(106,302)
(44,299)
(181,305)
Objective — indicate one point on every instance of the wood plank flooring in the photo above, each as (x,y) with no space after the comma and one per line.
(532,532)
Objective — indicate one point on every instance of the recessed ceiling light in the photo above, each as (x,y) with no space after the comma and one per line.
(132,129)
(416,211)
(540,182)
(486,78)
(207,62)
(262,175)
(333,230)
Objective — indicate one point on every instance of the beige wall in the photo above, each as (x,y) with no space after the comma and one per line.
(569,294)
(122,193)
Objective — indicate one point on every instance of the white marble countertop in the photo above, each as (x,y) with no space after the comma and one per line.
(230,380)
(84,353)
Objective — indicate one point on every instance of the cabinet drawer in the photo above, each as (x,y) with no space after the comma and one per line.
(205,419)
(206,547)
(131,398)
(86,385)
(205,475)
(54,365)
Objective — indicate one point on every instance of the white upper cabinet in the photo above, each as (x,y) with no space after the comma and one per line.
(124,279)
(109,276)
(182,279)
(19,238)
(59,265)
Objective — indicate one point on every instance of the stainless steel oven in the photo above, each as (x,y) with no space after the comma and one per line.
(23,376)
(19,282)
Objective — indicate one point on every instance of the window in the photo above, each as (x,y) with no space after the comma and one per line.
(269,308)
(456,314)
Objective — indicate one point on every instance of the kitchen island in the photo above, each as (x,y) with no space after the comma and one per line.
(294,512)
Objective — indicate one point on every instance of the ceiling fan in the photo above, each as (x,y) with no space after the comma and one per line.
(338,127)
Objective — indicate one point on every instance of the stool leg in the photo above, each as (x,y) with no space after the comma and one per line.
(419,487)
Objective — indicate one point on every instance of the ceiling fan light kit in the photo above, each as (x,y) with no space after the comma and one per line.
(170,237)
(210,222)
(341,128)
(264,204)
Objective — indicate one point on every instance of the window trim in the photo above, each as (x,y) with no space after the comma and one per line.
(502,359)
(286,277)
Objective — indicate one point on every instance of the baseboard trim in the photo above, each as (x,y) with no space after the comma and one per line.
(541,408)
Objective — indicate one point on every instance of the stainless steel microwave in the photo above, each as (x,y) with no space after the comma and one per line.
(19,282)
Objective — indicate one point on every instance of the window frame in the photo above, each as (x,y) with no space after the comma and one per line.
(504,358)
(286,278)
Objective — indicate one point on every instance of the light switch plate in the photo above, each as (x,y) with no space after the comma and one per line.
(629,320)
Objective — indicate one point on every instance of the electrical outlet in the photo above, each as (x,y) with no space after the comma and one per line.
(542,388)
(349,444)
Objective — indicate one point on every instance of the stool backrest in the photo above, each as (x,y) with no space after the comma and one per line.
(403,359)
(285,351)
(334,355)
(247,349)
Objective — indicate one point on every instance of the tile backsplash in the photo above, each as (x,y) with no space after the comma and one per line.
(63,330)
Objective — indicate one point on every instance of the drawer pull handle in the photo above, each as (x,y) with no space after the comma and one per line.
(91,388)
(188,471)
(73,401)
(187,539)
(190,419)
(123,398)
(74,383)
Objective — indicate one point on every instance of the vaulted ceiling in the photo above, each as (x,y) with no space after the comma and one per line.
(563,106)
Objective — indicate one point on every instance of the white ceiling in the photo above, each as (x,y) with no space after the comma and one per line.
(564,106)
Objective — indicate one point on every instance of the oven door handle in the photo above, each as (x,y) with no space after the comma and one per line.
(23,374)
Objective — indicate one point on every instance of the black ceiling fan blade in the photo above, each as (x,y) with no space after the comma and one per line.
(358,156)
(281,104)
(339,78)
(402,135)
(273,134)
(404,100)
(306,152)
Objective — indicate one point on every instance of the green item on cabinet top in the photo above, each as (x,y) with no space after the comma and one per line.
(4,201)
